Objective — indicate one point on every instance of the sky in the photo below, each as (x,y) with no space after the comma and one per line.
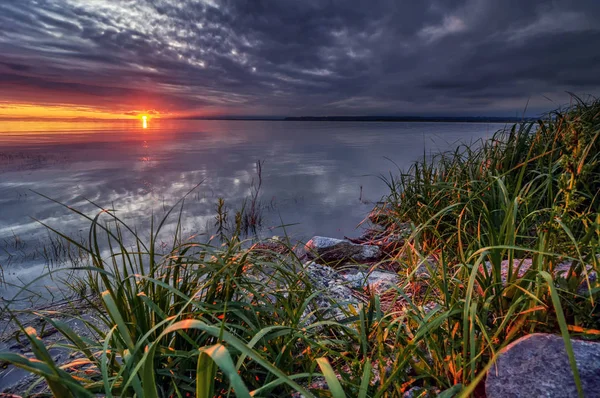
(122,58)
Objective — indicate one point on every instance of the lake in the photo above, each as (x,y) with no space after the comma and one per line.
(317,177)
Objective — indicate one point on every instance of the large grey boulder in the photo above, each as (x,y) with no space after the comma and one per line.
(337,251)
(537,365)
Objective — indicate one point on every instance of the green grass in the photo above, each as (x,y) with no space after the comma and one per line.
(531,192)
(221,318)
(200,318)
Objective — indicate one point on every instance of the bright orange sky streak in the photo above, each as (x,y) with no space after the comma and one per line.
(33,112)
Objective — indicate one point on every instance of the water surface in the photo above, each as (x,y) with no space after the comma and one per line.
(317,177)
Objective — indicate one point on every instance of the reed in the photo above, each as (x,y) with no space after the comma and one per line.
(528,195)
(198,318)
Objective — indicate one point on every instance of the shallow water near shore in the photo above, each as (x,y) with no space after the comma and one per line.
(317,177)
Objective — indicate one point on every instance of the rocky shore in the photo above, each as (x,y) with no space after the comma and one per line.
(351,270)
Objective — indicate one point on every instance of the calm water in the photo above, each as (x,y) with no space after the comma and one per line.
(313,175)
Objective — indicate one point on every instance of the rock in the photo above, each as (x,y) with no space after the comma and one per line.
(377,281)
(382,284)
(519,267)
(424,268)
(561,270)
(345,290)
(337,251)
(537,365)
(390,240)
(336,297)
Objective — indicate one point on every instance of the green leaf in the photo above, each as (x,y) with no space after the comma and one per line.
(451,392)
(114,312)
(562,323)
(62,385)
(219,354)
(148,372)
(366,377)
(205,376)
(332,381)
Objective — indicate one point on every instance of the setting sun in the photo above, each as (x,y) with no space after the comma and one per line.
(144,121)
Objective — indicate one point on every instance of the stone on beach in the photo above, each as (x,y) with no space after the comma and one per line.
(339,288)
(520,267)
(377,281)
(337,251)
(537,365)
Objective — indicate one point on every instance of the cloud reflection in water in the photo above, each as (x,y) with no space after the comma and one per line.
(312,175)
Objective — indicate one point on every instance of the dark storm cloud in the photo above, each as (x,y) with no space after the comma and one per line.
(300,57)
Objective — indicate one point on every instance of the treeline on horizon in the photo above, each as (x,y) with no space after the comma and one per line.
(447,119)
(476,119)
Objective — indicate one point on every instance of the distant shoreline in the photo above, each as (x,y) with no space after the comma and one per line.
(407,119)
(387,119)
(440,119)
(391,119)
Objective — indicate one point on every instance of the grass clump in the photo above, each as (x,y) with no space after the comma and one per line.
(198,319)
(503,241)
(513,226)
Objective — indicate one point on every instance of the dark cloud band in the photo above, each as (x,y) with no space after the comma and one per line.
(285,57)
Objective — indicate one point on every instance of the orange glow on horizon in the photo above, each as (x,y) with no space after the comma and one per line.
(32,111)
(18,111)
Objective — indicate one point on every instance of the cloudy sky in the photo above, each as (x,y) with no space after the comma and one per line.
(292,57)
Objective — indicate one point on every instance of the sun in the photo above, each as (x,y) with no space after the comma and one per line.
(144,121)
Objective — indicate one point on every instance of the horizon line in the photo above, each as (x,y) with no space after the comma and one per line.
(340,118)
